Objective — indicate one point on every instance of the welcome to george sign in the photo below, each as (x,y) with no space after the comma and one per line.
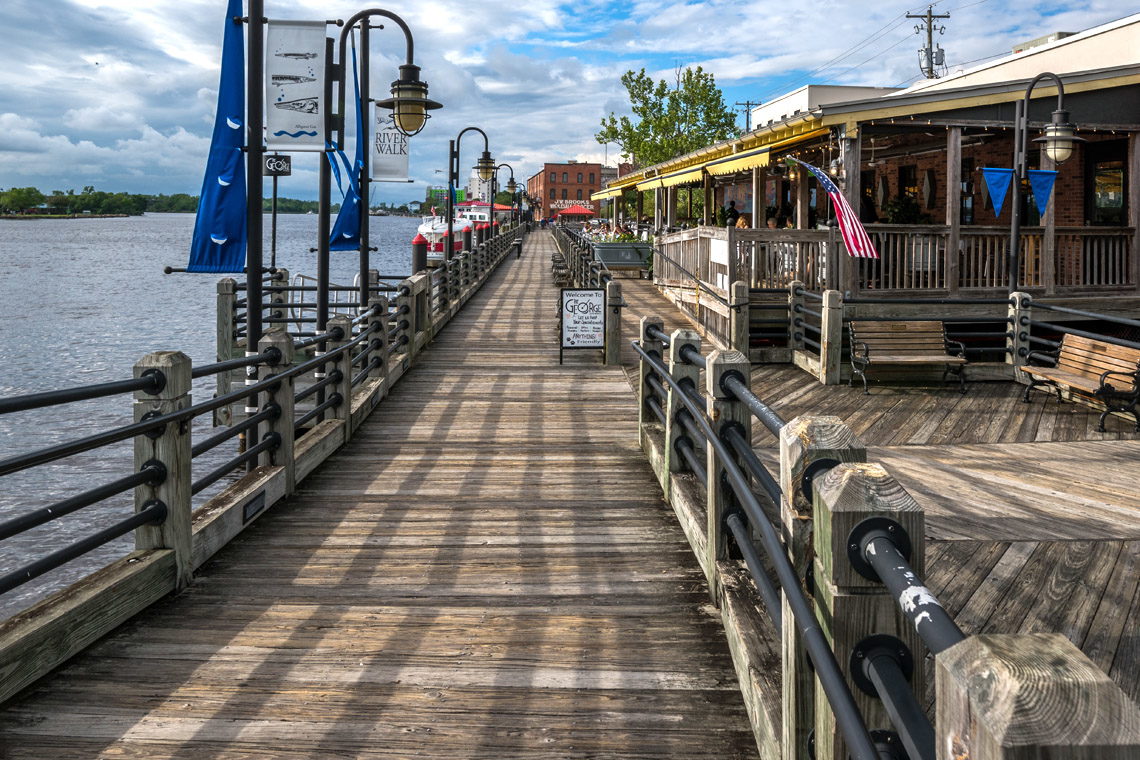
(582,318)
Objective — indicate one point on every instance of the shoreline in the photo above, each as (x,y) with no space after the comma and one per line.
(22,217)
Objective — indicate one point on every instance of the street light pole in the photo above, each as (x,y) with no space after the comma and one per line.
(511,188)
(485,166)
(409,103)
(1058,142)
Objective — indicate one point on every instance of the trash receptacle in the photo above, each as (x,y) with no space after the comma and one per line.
(517,245)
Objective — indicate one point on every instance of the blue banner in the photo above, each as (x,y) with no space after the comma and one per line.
(997,180)
(346,231)
(219,238)
(1041,182)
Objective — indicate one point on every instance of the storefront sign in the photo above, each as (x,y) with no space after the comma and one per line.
(583,318)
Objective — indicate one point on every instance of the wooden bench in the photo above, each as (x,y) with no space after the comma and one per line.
(904,344)
(1094,368)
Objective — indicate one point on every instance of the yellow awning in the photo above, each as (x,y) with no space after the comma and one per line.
(683,178)
(609,192)
(742,162)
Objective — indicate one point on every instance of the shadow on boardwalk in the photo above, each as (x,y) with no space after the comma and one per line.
(485,570)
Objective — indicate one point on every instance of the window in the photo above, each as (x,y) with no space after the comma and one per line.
(579,195)
(565,176)
(908,181)
(591,178)
(1106,182)
(563,193)
(552,193)
(579,178)
(554,176)
(1108,193)
(966,204)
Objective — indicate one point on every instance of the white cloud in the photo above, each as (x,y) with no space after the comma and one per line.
(121,93)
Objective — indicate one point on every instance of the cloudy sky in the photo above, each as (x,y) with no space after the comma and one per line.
(120,94)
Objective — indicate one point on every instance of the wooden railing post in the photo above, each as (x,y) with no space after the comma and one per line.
(343,363)
(378,321)
(1020,308)
(455,286)
(283,456)
(1031,696)
(831,337)
(171,448)
(795,334)
(226,344)
(739,328)
(407,300)
(679,371)
(850,607)
(724,410)
(614,306)
(650,345)
(804,441)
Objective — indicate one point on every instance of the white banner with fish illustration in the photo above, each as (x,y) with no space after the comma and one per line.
(389,149)
(294,85)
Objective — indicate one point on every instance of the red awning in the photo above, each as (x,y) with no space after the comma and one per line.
(576,211)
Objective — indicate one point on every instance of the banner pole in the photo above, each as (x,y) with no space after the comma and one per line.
(365,158)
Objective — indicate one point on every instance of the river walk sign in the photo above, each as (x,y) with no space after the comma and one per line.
(582,319)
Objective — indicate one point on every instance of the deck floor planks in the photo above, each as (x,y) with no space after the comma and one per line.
(486,570)
(1033,517)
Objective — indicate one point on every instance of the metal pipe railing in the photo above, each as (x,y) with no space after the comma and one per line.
(151,381)
(847,716)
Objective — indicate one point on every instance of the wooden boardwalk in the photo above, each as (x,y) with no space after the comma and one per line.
(1033,517)
(487,570)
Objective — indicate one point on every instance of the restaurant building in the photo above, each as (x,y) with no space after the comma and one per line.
(560,186)
(909,162)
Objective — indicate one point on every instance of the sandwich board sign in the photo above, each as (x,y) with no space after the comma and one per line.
(582,319)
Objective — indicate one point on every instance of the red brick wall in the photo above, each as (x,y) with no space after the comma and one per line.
(540,185)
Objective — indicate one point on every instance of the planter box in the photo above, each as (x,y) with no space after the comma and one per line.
(630,255)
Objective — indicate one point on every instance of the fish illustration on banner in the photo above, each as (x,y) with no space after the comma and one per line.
(997,182)
(219,240)
(294,85)
(345,234)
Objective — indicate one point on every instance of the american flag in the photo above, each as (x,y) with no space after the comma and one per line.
(856,239)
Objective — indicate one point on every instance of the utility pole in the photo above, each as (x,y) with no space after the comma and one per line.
(930,56)
(747,105)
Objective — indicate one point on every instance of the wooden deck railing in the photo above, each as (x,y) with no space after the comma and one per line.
(364,357)
(913,259)
(841,532)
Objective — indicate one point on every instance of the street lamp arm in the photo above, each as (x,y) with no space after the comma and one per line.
(1060,89)
(344,32)
(459,137)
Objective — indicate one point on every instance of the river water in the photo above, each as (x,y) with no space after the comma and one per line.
(81,300)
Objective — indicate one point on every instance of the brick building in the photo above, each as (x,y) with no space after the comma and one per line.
(560,186)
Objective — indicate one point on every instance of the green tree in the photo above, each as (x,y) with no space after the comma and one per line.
(669,121)
(21,198)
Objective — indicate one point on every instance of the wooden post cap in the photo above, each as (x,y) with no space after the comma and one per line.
(1030,696)
(175,367)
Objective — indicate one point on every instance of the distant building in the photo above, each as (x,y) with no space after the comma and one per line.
(560,186)
(478,189)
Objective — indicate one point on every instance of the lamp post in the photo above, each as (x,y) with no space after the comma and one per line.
(511,188)
(1057,144)
(485,166)
(410,105)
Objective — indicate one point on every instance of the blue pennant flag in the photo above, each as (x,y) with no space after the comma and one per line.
(997,180)
(219,238)
(1041,182)
(346,231)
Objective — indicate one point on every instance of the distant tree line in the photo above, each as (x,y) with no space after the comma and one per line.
(30,200)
